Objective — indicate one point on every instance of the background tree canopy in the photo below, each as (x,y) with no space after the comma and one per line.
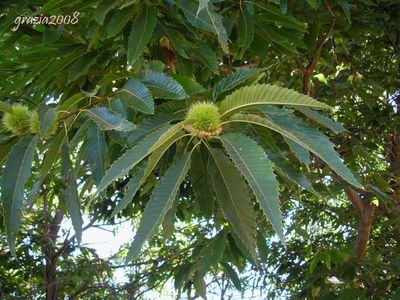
(254,146)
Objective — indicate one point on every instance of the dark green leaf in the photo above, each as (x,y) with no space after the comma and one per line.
(301,153)
(107,120)
(96,148)
(233,199)
(103,9)
(245,30)
(253,163)
(70,193)
(233,80)
(15,175)
(212,253)
(130,159)
(233,276)
(207,56)
(46,116)
(323,120)
(163,86)
(136,95)
(118,20)
(51,154)
(133,187)
(160,202)
(142,29)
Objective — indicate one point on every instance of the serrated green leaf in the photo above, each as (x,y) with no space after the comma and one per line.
(136,95)
(150,124)
(103,9)
(160,202)
(200,286)
(6,147)
(129,159)
(232,275)
(56,66)
(163,86)
(323,120)
(301,153)
(190,86)
(212,253)
(133,187)
(207,56)
(206,19)
(142,29)
(265,94)
(286,170)
(308,137)
(169,219)
(233,199)
(177,40)
(119,19)
(245,29)
(201,185)
(96,148)
(46,115)
(15,175)
(108,120)
(51,154)
(233,80)
(165,141)
(81,66)
(271,13)
(251,160)
(71,102)
(70,192)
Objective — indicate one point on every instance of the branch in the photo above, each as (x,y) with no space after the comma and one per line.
(356,200)
(364,231)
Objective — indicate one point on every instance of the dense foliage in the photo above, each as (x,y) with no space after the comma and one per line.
(263,137)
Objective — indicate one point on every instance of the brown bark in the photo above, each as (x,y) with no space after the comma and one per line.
(49,250)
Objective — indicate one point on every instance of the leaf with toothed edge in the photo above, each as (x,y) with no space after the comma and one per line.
(136,95)
(233,199)
(306,136)
(142,29)
(163,86)
(108,120)
(251,160)
(265,94)
(160,202)
(15,175)
(70,192)
(129,159)
(133,187)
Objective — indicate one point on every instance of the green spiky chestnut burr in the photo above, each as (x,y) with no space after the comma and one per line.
(203,119)
(18,122)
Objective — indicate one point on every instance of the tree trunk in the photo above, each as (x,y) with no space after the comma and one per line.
(50,253)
